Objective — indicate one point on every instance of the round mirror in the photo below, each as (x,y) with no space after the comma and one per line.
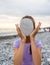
(26,26)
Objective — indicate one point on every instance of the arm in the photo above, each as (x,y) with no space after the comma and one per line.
(18,54)
(36,52)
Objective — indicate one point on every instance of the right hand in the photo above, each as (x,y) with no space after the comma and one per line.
(21,35)
(35,31)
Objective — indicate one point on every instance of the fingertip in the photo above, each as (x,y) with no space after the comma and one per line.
(16,25)
(40,23)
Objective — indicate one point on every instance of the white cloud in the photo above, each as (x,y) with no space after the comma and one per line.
(23,7)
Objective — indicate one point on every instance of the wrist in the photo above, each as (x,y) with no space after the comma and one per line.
(23,41)
(32,38)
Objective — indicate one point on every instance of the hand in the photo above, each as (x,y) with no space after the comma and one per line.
(21,35)
(35,31)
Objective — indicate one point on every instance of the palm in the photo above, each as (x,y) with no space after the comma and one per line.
(33,34)
(20,33)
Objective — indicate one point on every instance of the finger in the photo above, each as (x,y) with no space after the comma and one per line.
(19,30)
(16,26)
(36,29)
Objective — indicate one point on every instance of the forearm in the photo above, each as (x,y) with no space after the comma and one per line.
(19,55)
(35,54)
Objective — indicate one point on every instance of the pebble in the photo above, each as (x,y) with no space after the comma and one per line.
(6,50)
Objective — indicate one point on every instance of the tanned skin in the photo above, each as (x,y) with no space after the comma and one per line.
(36,51)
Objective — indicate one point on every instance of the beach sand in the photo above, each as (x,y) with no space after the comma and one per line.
(7,52)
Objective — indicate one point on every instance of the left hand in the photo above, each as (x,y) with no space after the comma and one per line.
(20,33)
(35,31)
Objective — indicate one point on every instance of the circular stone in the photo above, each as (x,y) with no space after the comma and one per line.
(26,26)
